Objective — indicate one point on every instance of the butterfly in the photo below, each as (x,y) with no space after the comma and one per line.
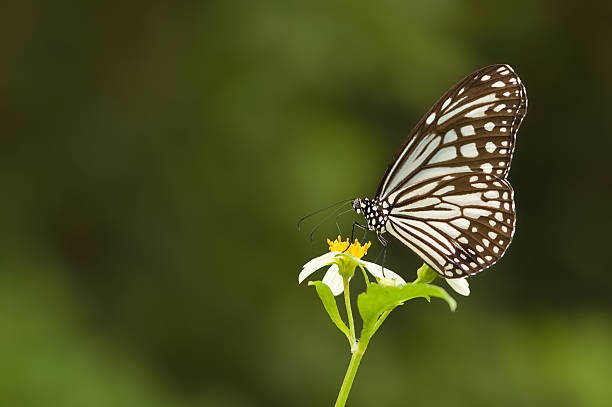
(445,194)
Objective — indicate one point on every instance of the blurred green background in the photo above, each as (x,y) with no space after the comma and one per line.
(155,157)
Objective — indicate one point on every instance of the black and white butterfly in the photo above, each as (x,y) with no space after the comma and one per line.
(445,194)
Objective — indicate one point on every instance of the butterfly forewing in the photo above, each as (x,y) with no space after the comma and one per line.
(459,224)
(472,128)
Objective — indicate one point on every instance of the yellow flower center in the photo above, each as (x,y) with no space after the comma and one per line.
(355,249)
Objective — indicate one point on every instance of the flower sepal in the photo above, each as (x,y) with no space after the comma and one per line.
(425,274)
(347,264)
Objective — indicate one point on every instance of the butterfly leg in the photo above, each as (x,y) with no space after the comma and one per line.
(384,242)
(353,232)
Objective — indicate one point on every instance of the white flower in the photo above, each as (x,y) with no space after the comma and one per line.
(460,285)
(349,255)
(333,279)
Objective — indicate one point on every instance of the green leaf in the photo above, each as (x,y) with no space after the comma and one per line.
(378,299)
(329,302)
(425,274)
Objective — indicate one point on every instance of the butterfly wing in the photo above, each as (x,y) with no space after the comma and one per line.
(458,224)
(472,128)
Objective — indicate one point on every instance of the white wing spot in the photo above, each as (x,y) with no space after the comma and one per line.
(461,223)
(461,91)
(504,143)
(504,229)
(478,112)
(498,84)
(503,151)
(506,94)
(446,103)
(491,194)
(444,190)
(487,98)
(422,203)
(495,249)
(507,206)
(486,242)
(501,68)
(468,130)
(503,129)
(485,78)
(492,222)
(499,216)
(499,107)
(433,172)
(489,126)
(479,248)
(474,178)
(474,229)
(446,228)
(450,136)
(463,240)
(492,235)
(486,167)
(481,185)
(505,195)
(493,204)
(502,164)
(490,147)
(431,118)
(476,213)
(444,154)
(489,258)
(469,150)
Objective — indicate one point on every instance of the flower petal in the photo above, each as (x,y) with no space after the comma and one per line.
(315,264)
(378,272)
(460,285)
(334,281)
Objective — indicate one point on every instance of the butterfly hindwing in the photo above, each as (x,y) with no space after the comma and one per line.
(459,224)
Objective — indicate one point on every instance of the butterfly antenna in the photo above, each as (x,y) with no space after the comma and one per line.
(324,219)
(338,216)
(303,218)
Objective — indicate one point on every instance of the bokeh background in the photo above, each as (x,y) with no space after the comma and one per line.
(155,157)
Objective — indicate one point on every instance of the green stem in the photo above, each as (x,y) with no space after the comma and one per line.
(349,312)
(352,370)
(380,321)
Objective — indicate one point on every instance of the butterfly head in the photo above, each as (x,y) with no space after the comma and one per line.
(375,212)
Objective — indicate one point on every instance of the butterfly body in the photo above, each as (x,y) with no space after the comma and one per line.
(445,194)
(375,212)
